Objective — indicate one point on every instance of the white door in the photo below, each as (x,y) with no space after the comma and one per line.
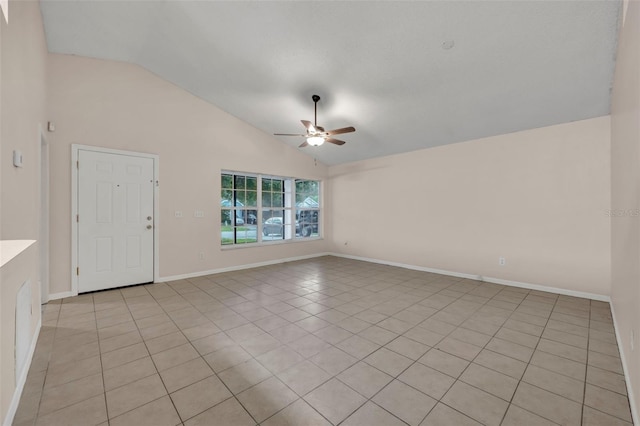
(115,220)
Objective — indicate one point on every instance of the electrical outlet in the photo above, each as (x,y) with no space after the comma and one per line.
(178,213)
(198,213)
(201,255)
(502,261)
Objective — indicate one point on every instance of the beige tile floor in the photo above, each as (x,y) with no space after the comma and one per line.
(325,341)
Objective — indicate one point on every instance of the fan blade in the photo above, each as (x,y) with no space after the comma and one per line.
(340,131)
(303,144)
(288,134)
(335,141)
(310,127)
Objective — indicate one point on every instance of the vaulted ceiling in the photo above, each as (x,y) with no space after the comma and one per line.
(407,75)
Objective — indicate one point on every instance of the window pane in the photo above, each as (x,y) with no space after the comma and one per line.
(266,199)
(273,225)
(227,181)
(307,187)
(240,199)
(307,225)
(252,183)
(239,182)
(268,214)
(277,199)
(252,217)
(246,234)
(226,228)
(307,194)
(276,185)
(266,184)
(226,196)
(252,199)
(225,217)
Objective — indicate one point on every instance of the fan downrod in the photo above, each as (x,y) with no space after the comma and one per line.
(315,98)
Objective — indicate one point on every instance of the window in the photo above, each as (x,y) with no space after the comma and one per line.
(277,211)
(307,208)
(239,203)
(263,209)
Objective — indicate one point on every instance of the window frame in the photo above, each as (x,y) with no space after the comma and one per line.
(289,208)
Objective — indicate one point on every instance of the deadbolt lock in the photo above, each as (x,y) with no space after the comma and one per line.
(149,218)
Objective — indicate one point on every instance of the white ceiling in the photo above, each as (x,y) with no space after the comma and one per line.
(379,66)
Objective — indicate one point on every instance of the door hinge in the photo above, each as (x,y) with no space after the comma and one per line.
(78,270)
(78,164)
(77,218)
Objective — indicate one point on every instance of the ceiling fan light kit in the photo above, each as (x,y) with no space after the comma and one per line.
(316,135)
(315,140)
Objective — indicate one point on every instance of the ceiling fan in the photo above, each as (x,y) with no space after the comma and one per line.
(316,135)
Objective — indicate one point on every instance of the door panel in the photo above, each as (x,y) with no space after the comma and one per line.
(115,236)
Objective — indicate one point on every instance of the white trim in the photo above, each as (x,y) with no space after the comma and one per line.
(407,266)
(239,267)
(74,208)
(17,392)
(61,295)
(267,243)
(627,377)
(44,233)
(555,290)
(74,223)
(529,286)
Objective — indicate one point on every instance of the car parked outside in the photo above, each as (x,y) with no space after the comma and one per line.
(273,225)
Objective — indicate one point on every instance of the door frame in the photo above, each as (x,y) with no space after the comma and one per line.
(75,148)
(44,230)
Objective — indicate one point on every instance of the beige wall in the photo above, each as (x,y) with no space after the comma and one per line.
(537,198)
(22,90)
(122,106)
(625,195)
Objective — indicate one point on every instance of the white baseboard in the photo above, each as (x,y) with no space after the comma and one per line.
(61,295)
(238,267)
(627,378)
(17,393)
(555,290)
(407,266)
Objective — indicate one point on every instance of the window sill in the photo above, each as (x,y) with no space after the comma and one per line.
(269,243)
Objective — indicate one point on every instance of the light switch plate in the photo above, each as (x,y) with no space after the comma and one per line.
(17,158)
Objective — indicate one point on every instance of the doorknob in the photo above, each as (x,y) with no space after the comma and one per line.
(149,226)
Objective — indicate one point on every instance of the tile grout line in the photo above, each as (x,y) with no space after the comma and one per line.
(529,363)
(586,369)
(201,357)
